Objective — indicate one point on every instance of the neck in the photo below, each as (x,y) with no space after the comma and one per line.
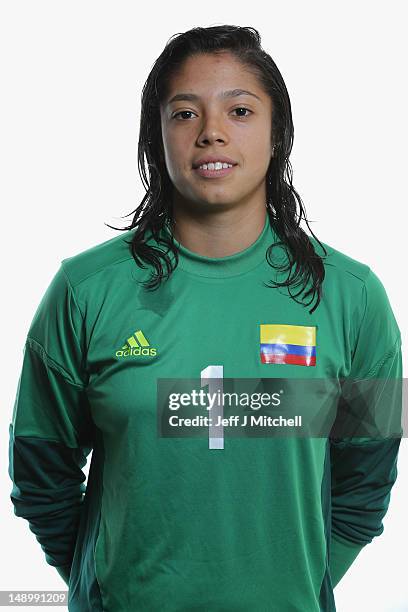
(242,260)
(219,235)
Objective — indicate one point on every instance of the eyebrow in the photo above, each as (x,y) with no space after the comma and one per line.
(230,93)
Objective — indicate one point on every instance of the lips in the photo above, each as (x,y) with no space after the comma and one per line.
(214,174)
(212,159)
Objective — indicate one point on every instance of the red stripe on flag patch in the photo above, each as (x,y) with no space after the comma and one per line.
(288,359)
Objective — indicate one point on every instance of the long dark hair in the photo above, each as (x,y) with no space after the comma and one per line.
(303,263)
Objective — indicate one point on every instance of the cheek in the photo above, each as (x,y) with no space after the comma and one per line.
(175,154)
(171,158)
(261,143)
(177,168)
(259,153)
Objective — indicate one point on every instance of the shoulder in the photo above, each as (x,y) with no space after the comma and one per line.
(98,258)
(353,278)
(341,264)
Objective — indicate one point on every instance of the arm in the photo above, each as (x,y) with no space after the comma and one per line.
(364,467)
(50,434)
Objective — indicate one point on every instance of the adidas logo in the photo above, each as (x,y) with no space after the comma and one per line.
(136,345)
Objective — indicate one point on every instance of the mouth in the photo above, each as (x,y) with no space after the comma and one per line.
(214,173)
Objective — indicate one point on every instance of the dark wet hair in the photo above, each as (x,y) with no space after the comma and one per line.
(301,261)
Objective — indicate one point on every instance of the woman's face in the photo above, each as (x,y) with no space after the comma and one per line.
(212,123)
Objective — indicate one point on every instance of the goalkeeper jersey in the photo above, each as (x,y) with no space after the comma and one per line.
(204,522)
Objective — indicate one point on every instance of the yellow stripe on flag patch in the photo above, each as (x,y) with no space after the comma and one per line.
(276,333)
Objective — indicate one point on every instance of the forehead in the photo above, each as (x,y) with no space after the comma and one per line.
(210,73)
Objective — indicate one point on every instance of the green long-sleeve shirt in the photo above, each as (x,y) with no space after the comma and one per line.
(260,523)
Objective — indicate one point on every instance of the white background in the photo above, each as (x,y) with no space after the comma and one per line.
(71,78)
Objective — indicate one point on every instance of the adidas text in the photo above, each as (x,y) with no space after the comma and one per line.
(137,351)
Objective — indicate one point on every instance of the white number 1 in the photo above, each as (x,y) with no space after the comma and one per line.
(215,432)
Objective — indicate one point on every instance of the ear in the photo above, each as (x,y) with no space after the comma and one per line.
(274,147)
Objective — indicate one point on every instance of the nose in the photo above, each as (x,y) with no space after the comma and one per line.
(212,131)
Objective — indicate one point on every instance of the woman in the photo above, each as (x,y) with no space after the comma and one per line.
(205,519)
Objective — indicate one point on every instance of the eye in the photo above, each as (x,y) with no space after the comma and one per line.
(235,109)
(243,108)
(182,113)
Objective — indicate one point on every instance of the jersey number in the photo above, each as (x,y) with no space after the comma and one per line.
(215,432)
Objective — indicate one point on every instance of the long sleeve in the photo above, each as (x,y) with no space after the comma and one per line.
(364,464)
(50,434)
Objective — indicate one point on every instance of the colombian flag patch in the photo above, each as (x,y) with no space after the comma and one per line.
(288,344)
